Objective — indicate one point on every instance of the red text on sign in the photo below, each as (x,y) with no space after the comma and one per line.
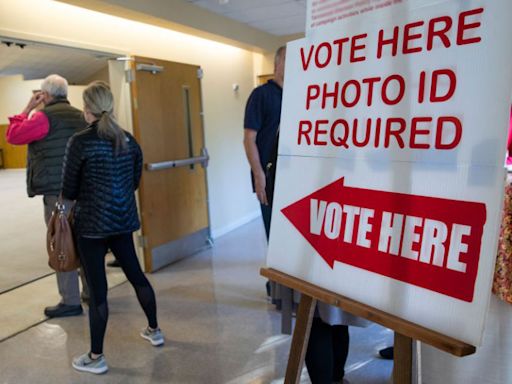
(391,91)
(411,38)
(420,132)
(433,243)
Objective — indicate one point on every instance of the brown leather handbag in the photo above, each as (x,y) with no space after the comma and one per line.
(60,244)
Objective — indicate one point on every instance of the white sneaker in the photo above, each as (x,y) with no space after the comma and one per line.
(85,363)
(155,337)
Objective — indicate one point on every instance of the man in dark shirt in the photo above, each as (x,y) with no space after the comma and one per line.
(261,123)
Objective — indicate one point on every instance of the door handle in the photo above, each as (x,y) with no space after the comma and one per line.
(203,160)
(154,69)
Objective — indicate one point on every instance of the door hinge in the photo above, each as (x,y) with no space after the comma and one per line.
(143,241)
(200,73)
(128,75)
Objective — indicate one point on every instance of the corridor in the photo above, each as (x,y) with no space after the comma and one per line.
(219,329)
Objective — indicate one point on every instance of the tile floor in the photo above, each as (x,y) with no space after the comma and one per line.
(219,329)
(22,231)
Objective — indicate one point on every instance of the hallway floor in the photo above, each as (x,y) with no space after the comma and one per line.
(22,230)
(219,329)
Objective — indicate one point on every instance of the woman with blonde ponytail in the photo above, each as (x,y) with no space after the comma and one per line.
(100,105)
(102,169)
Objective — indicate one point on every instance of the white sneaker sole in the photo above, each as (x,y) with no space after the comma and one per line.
(97,371)
(153,343)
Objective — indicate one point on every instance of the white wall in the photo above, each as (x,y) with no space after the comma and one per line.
(16,92)
(231,199)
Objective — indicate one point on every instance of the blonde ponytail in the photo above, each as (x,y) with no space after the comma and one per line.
(99,101)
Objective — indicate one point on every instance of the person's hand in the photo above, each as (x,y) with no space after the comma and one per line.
(260,183)
(35,100)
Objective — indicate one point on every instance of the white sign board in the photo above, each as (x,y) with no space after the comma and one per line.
(390,173)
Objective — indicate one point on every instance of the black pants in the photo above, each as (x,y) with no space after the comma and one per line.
(327,352)
(92,256)
(266,213)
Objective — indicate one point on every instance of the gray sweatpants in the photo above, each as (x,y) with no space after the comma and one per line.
(67,282)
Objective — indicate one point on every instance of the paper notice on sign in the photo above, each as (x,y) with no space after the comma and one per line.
(390,171)
(326,12)
(323,12)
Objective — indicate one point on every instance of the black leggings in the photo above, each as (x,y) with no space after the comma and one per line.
(327,352)
(92,256)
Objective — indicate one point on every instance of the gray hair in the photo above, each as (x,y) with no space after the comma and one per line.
(56,86)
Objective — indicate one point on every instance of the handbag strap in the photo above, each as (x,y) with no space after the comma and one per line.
(59,204)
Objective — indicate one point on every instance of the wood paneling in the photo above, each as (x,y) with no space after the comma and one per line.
(14,156)
(262,79)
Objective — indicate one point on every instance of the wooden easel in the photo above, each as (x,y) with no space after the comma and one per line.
(405,331)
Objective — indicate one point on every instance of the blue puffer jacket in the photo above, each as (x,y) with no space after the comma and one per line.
(102,184)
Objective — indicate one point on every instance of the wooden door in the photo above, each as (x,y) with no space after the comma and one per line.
(167,123)
(11,156)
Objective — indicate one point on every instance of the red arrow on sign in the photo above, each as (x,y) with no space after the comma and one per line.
(430,242)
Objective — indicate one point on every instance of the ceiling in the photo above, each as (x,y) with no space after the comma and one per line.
(36,61)
(277,17)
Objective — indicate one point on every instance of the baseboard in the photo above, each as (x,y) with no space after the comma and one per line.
(216,233)
(173,251)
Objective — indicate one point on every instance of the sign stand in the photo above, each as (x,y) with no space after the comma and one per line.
(405,331)
(300,339)
(402,359)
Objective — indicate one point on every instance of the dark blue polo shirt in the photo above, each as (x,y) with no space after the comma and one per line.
(263,114)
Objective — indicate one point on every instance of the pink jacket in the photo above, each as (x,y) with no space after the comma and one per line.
(24,130)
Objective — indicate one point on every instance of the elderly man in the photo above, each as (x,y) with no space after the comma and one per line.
(47,132)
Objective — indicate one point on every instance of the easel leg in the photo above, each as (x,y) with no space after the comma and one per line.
(402,367)
(300,339)
(286,310)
